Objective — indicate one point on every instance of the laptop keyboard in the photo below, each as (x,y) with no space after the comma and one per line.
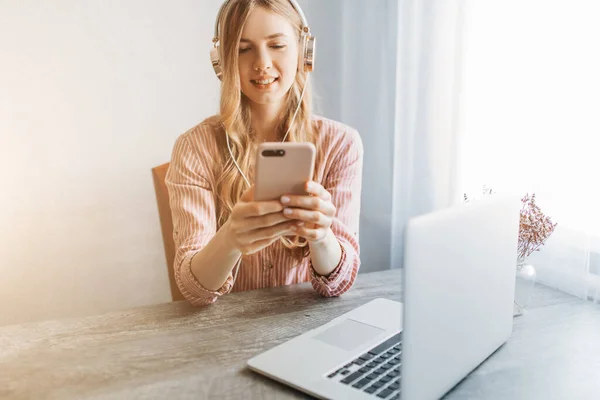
(376,372)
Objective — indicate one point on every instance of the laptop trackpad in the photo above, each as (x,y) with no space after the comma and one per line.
(349,334)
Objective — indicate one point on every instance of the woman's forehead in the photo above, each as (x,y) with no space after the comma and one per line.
(263,24)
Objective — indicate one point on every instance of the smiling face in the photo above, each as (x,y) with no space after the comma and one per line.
(268,57)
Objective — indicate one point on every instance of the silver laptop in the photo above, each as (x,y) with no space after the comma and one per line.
(459,279)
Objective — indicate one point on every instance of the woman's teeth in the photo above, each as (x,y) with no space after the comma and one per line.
(264,81)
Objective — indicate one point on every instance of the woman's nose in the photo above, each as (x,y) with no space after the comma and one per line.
(263,61)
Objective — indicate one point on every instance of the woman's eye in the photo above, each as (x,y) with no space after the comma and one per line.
(278,46)
(243,50)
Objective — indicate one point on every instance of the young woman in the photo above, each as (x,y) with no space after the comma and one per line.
(265,96)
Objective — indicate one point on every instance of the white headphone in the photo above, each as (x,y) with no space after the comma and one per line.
(307,54)
(306,58)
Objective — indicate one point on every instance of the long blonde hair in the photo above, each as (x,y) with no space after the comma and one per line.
(235,111)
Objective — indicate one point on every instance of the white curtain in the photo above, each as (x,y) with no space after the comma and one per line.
(451,95)
(355,83)
(391,69)
(426,135)
(531,122)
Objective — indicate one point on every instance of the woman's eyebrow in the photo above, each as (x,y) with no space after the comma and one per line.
(273,36)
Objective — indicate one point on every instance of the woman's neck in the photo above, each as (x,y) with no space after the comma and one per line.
(265,120)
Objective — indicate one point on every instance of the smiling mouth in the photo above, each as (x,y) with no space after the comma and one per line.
(264,82)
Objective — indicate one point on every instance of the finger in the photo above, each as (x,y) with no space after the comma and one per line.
(310,203)
(259,208)
(271,232)
(315,217)
(307,202)
(317,189)
(253,223)
(248,195)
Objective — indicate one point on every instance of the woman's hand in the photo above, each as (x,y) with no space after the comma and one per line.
(315,209)
(254,225)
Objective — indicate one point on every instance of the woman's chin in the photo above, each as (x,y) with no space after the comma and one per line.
(266,100)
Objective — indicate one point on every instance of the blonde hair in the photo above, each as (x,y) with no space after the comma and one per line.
(235,112)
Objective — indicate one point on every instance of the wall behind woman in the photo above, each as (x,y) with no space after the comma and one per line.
(93,95)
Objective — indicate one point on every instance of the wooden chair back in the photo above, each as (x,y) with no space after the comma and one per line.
(166,223)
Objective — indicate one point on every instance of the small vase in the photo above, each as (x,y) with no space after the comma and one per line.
(525,281)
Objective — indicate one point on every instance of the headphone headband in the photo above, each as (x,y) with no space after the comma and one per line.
(294,3)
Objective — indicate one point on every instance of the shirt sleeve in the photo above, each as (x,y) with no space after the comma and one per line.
(192,204)
(344,183)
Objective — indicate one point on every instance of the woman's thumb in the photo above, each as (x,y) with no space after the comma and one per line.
(248,195)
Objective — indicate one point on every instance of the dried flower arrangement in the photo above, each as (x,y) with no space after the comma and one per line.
(534,229)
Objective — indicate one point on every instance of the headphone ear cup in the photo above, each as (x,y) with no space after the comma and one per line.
(215,60)
(309,53)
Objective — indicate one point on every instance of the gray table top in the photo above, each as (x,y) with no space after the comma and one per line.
(178,351)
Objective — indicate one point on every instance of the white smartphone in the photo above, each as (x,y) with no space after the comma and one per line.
(283,168)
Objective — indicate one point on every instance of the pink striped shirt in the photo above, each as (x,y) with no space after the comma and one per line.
(189,181)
